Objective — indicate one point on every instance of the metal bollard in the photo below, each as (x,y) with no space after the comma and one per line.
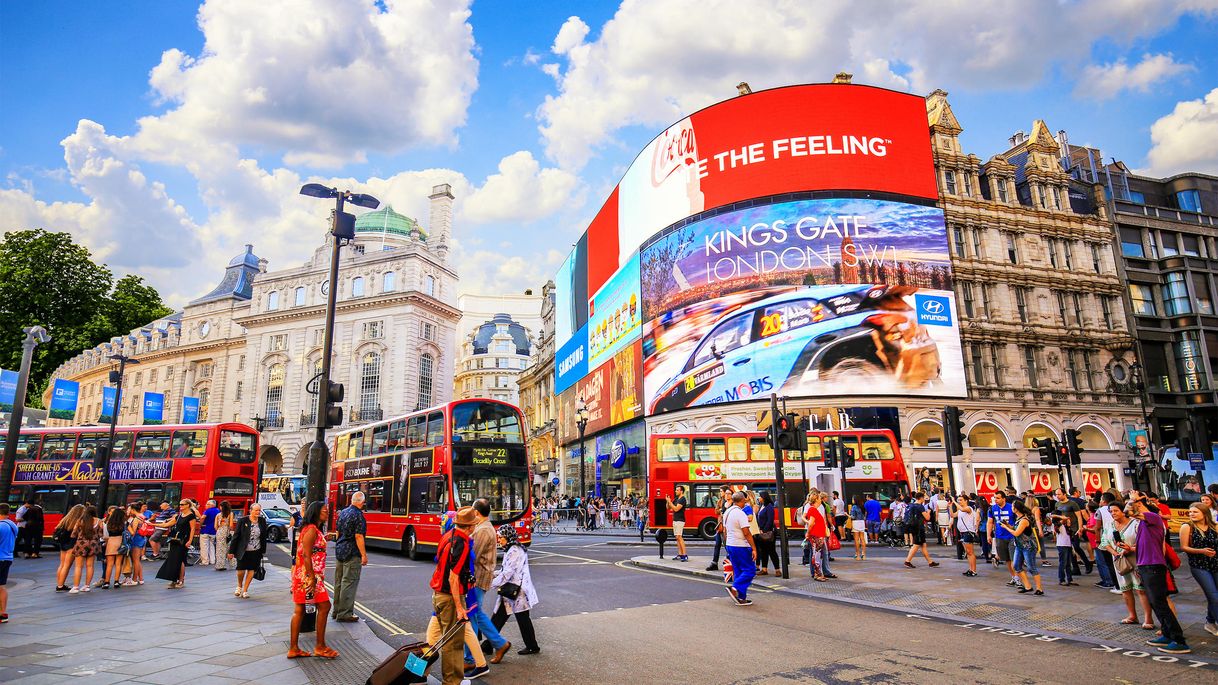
(661,538)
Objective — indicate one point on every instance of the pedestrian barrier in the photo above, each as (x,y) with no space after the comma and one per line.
(624,521)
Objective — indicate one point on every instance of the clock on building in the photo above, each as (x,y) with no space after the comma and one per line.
(204,329)
(325,287)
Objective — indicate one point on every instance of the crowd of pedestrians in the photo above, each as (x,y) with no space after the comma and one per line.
(592,513)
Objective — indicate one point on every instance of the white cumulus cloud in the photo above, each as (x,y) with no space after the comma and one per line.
(1105,81)
(1186,139)
(657,60)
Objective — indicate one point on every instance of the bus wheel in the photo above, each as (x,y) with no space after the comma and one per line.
(410,545)
(707,528)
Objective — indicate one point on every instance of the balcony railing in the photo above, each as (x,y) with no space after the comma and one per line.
(364,415)
(308,419)
(274,422)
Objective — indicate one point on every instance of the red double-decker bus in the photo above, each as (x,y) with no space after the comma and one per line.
(151,463)
(415,467)
(703,462)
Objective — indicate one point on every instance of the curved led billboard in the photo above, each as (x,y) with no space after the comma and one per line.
(753,216)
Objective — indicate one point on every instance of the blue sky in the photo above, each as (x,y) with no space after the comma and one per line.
(166,134)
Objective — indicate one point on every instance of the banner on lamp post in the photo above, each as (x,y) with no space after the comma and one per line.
(190,410)
(64,395)
(154,408)
(8,389)
(109,395)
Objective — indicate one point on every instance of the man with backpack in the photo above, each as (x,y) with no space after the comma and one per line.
(449,583)
(916,518)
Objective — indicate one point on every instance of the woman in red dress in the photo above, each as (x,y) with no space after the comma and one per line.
(309,581)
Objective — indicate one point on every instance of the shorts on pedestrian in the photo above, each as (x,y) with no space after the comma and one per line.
(873,527)
(968,538)
(1025,561)
(917,534)
(1004,547)
(4,566)
(1129,581)
(859,526)
(678,529)
(840,520)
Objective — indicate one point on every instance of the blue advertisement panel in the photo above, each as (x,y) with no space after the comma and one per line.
(107,411)
(190,410)
(154,408)
(571,362)
(8,389)
(616,314)
(836,296)
(64,395)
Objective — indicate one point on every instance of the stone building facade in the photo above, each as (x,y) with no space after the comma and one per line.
(497,336)
(1042,324)
(537,401)
(249,348)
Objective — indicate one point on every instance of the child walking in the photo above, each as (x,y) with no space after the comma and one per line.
(1065,554)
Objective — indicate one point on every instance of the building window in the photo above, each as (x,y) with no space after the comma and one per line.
(1068,253)
(1044,202)
(966,296)
(949,181)
(389,282)
(241,363)
(1138,197)
(1190,246)
(357,286)
(272,301)
(968,183)
(1021,303)
(429,285)
(986,298)
(169,372)
(1096,262)
(369,384)
(1154,244)
(1072,368)
(1001,183)
(373,330)
(139,376)
(1029,359)
(1143,300)
(319,336)
(503,347)
(1189,200)
(958,240)
(204,403)
(1131,243)
(429,331)
(978,366)
(237,391)
(1061,307)
(206,369)
(1078,310)
(977,251)
(1052,250)
(274,394)
(1175,295)
(279,342)
(1012,249)
(1202,294)
(1106,310)
(152,376)
(1087,373)
(1057,197)
(1171,246)
(1189,362)
(426,371)
(996,365)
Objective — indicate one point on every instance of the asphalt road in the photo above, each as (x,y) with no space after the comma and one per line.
(604,622)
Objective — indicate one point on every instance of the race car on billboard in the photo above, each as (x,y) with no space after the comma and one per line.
(793,342)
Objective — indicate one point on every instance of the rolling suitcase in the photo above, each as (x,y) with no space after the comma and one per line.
(410,663)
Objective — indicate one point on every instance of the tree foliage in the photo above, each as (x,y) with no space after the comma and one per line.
(47,279)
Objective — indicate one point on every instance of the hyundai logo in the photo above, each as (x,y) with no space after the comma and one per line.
(932,307)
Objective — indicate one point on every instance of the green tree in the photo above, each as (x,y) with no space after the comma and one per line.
(47,279)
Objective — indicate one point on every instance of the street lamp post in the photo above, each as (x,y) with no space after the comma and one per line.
(116,377)
(581,422)
(1140,382)
(342,229)
(34,335)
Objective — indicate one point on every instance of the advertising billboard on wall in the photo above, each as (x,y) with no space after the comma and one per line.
(615,314)
(612,394)
(792,212)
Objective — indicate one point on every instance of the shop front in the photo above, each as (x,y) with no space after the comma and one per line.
(621,461)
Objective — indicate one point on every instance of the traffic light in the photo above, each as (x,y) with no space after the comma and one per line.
(848,458)
(1048,454)
(831,454)
(334,413)
(788,432)
(802,425)
(1074,446)
(775,430)
(99,456)
(953,431)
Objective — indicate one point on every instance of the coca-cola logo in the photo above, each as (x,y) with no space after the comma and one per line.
(674,149)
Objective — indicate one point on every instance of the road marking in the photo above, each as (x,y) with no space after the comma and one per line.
(569,556)
(376,618)
(628,566)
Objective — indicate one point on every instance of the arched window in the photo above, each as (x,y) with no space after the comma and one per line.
(427,365)
(1093,438)
(429,285)
(389,282)
(357,286)
(272,301)
(204,400)
(300,297)
(926,434)
(369,385)
(274,395)
(986,435)
(1037,431)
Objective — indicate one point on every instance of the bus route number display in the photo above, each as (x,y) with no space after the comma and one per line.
(489,456)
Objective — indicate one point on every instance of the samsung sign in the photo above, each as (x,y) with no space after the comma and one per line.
(571,362)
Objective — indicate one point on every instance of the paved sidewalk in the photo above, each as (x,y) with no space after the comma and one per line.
(1086,612)
(199,634)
